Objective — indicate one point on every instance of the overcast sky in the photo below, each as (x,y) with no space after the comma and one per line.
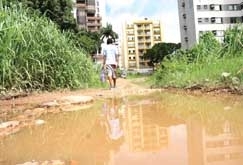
(116,12)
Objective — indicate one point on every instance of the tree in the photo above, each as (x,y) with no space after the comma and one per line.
(156,54)
(108,32)
(59,11)
(88,41)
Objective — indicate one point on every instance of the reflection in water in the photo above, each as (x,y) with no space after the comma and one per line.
(223,148)
(143,134)
(165,129)
(111,120)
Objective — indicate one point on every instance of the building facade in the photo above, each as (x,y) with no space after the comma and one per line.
(138,36)
(199,16)
(86,12)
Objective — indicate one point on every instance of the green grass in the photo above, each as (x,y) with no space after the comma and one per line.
(36,55)
(202,65)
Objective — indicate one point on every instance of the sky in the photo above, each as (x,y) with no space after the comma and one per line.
(116,12)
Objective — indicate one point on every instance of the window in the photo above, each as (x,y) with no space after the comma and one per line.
(220,33)
(183,4)
(213,19)
(184,16)
(235,7)
(201,33)
(233,20)
(212,7)
(185,27)
(186,39)
(230,7)
(217,7)
(205,7)
(199,20)
(218,20)
(198,7)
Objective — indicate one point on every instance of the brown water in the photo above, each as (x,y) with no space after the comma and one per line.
(169,129)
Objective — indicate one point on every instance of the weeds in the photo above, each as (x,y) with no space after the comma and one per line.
(204,63)
(34,54)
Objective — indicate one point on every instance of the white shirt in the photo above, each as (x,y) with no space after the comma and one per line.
(110,51)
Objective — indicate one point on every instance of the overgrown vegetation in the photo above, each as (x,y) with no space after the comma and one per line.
(58,11)
(35,54)
(208,64)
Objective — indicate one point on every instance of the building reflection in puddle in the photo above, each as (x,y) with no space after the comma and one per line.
(136,131)
(222,146)
(148,136)
(151,135)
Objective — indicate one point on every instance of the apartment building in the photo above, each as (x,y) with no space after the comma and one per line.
(86,12)
(139,36)
(199,16)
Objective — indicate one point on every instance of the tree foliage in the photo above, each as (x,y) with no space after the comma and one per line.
(59,11)
(88,41)
(108,32)
(156,54)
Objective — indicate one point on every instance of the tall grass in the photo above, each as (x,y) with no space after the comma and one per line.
(205,63)
(34,54)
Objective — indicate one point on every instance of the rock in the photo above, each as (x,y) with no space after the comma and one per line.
(39,122)
(227,108)
(77,99)
(235,81)
(50,104)
(39,110)
(225,74)
(57,162)
(9,124)
(9,127)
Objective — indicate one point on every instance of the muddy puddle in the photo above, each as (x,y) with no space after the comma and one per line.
(162,128)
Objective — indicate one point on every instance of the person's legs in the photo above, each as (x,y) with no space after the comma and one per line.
(114,76)
(109,75)
(114,82)
(110,81)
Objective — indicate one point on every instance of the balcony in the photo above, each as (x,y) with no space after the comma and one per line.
(80,1)
(80,5)
(94,18)
(129,26)
(90,9)
(157,25)
(93,24)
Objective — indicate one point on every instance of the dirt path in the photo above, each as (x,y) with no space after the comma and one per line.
(125,87)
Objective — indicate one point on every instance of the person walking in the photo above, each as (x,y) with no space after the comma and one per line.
(110,62)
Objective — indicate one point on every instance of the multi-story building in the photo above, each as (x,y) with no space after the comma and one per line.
(199,16)
(138,36)
(86,12)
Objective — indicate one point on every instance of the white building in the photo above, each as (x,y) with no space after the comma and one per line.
(199,16)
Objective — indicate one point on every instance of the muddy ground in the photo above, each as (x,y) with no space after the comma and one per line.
(22,102)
